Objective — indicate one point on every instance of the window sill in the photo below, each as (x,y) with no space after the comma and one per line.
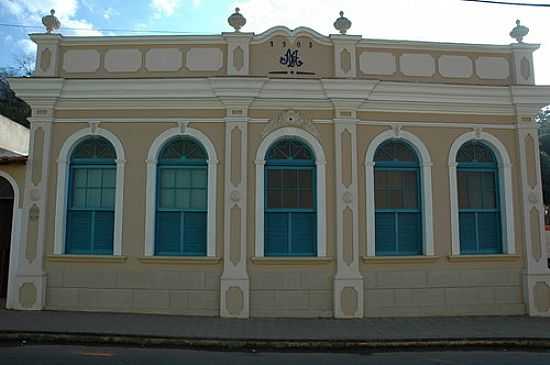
(89,259)
(180,260)
(483,258)
(399,259)
(284,260)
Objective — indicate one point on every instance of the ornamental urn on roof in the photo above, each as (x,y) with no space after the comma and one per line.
(236,20)
(519,32)
(51,22)
(342,24)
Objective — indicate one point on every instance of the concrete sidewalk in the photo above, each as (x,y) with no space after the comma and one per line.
(159,329)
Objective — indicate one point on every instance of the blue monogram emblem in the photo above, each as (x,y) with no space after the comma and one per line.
(291,58)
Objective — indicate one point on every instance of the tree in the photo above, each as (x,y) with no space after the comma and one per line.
(23,66)
(543,121)
(11,106)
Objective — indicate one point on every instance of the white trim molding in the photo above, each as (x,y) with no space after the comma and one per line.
(320,162)
(15,240)
(505,189)
(426,181)
(63,164)
(183,129)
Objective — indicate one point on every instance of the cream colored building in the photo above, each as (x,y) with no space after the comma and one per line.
(327,176)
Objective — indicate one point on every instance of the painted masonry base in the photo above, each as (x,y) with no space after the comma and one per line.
(348,298)
(30,292)
(234,298)
(538,294)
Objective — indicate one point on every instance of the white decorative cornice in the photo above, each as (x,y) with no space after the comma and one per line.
(279,94)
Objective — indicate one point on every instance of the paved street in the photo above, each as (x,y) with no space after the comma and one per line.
(61,355)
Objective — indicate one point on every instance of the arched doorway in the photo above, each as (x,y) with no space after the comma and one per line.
(7,196)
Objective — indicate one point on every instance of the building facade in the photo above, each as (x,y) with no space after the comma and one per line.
(282,174)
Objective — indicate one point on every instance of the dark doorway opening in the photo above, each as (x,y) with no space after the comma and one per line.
(6,221)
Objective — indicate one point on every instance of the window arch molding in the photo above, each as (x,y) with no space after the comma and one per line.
(426,187)
(505,187)
(151,188)
(63,163)
(320,162)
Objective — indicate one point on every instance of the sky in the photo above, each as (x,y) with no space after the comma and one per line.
(422,20)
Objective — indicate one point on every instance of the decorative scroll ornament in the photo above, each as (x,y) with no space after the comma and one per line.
(93,126)
(51,22)
(183,125)
(291,118)
(236,20)
(519,32)
(342,24)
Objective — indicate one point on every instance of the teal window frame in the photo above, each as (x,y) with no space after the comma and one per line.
(398,214)
(474,230)
(186,215)
(291,216)
(73,232)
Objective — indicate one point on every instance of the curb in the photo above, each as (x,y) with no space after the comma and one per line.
(254,344)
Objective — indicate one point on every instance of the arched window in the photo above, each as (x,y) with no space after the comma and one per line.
(480,227)
(182,199)
(398,207)
(91,198)
(290,200)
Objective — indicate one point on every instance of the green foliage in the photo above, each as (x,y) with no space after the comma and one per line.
(11,106)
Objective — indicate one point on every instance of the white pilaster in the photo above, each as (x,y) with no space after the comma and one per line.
(29,286)
(47,55)
(523,71)
(345,64)
(348,282)
(234,284)
(537,276)
(238,53)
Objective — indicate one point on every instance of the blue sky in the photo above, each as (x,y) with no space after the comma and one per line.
(428,20)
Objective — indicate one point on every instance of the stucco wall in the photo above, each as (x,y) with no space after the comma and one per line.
(134,286)
(440,287)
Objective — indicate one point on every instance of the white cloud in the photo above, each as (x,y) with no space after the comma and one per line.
(27,47)
(109,13)
(164,7)
(426,20)
(31,12)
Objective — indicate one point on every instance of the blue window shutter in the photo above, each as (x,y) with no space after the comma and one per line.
(468,241)
(489,232)
(103,232)
(79,232)
(168,237)
(276,234)
(194,237)
(90,209)
(409,233)
(303,234)
(385,226)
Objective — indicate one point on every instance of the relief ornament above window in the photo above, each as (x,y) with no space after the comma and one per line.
(290,118)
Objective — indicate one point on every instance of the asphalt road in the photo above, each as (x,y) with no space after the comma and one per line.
(83,355)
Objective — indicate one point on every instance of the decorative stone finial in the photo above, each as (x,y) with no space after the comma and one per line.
(236,20)
(519,32)
(342,24)
(51,22)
